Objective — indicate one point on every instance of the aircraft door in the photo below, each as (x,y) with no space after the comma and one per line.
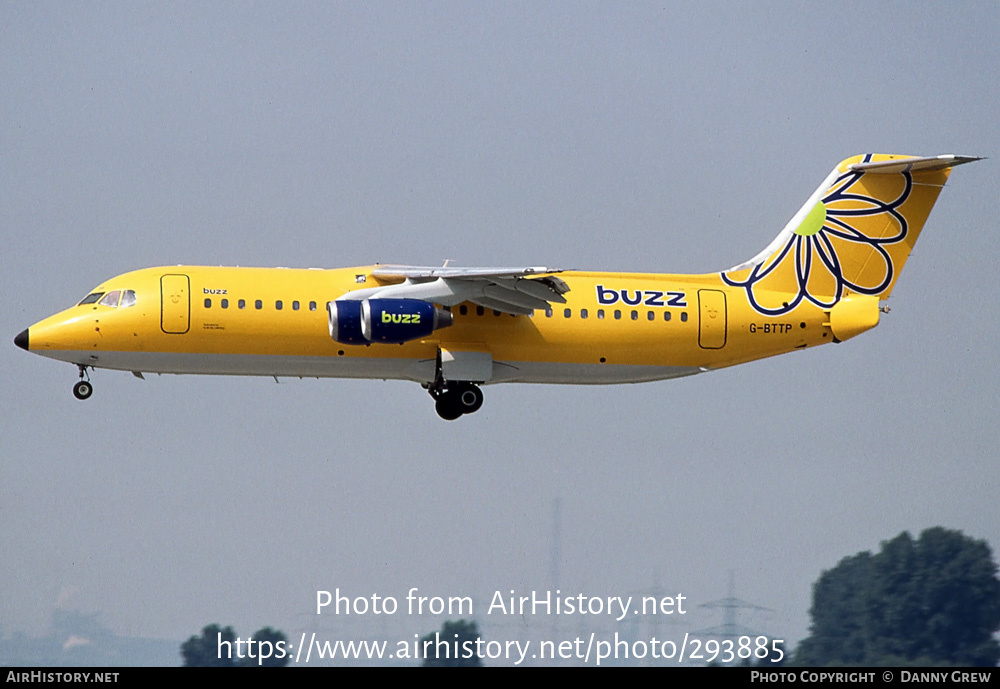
(175,304)
(711,319)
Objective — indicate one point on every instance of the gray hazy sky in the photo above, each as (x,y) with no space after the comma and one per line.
(674,137)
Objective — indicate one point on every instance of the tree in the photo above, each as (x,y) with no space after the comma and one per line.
(220,647)
(934,600)
(266,643)
(454,646)
(203,651)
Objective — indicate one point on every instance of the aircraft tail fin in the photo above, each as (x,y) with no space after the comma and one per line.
(852,236)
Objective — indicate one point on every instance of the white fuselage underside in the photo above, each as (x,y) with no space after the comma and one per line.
(418,370)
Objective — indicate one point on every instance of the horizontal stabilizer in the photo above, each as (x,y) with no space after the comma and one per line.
(913,164)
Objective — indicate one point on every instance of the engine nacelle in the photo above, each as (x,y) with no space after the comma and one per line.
(384,320)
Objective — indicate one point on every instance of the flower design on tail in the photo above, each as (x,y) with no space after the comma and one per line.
(840,245)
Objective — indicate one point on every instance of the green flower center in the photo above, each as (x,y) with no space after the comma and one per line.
(813,222)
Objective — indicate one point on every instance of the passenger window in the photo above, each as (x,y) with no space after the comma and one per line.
(208,303)
(312,306)
(278,305)
(567,313)
(128,299)
(295,306)
(225,303)
(635,315)
(258,304)
(650,315)
(600,314)
(583,313)
(111,298)
(463,309)
(480,310)
(666,315)
(91,298)
(548,312)
(618,315)
(684,316)
(242,303)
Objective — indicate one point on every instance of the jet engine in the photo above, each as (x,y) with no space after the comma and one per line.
(384,320)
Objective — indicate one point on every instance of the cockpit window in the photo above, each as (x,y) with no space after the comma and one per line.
(111,298)
(91,298)
(128,298)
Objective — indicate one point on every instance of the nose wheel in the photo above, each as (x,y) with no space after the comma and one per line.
(83,389)
(457,399)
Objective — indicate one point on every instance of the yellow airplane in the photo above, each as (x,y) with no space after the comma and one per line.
(451,329)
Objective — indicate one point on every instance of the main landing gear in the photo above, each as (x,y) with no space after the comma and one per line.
(83,389)
(452,398)
(456,399)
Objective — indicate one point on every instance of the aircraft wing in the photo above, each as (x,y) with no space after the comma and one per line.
(510,290)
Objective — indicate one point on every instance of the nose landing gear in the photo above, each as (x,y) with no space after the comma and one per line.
(83,389)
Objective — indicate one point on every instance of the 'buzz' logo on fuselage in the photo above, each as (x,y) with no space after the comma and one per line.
(648,297)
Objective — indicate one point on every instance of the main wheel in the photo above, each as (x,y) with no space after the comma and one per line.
(469,397)
(83,390)
(447,406)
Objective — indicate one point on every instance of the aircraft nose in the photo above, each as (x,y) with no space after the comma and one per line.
(22,339)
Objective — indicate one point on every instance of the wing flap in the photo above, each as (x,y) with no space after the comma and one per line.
(548,288)
(502,306)
(427,272)
(509,290)
(514,297)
